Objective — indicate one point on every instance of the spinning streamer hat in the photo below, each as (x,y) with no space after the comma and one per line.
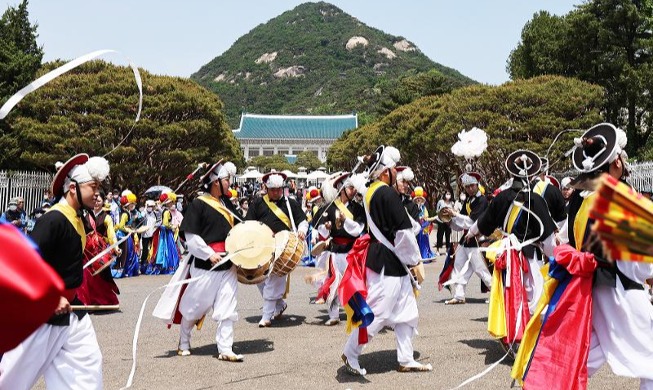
(523,163)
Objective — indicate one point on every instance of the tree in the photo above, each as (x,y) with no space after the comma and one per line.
(410,87)
(267,163)
(521,114)
(20,57)
(308,160)
(606,42)
(92,108)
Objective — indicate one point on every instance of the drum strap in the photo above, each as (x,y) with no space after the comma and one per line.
(218,206)
(277,211)
(343,209)
(71,215)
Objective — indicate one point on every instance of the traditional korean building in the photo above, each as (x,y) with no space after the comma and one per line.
(267,135)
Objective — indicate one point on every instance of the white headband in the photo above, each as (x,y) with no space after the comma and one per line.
(389,159)
(95,169)
(222,171)
(274,181)
(468,180)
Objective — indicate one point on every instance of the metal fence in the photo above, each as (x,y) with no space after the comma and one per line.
(641,176)
(30,185)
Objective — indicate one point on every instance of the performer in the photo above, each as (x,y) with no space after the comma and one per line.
(128,263)
(391,247)
(548,188)
(599,306)
(272,210)
(419,197)
(468,258)
(64,350)
(164,257)
(405,176)
(526,223)
(152,221)
(99,289)
(207,221)
(343,223)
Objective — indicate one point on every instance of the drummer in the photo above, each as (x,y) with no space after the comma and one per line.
(208,220)
(64,350)
(272,210)
(343,221)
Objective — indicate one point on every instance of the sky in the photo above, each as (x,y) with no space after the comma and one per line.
(177,37)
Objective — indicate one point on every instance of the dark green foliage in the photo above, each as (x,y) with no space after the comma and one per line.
(605,42)
(92,108)
(20,57)
(521,114)
(333,80)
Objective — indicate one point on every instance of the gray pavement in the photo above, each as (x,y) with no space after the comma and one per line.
(299,352)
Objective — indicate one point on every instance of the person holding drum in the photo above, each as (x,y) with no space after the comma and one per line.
(391,249)
(343,221)
(279,213)
(206,224)
(64,349)
(98,287)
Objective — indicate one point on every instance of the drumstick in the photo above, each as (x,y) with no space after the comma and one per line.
(94,307)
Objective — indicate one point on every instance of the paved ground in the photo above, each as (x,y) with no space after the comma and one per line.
(299,352)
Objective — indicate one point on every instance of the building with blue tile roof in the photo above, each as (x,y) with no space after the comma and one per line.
(267,135)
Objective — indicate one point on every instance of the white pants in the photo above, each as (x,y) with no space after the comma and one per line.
(272,290)
(216,290)
(462,273)
(340,266)
(393,303)
(534,282)
(68,357)
(622,333)
(597,358)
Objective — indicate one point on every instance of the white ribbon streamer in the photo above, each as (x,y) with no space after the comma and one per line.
(46,78)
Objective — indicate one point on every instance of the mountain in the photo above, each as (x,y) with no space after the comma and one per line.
(314,59)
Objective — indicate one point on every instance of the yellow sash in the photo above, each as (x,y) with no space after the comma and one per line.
(277,211)
(218,206)
(71,214)
(468,207)
(343,209)
(540,187)
(580,222)
(512,218)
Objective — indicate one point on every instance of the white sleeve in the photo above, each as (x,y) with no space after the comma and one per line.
(406,247)
(636,270)
(474,229)
(352,227)
(563,234)
(461,222)
(416,226)
(303,227)
(324,232)
(197,247)
(548,244)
